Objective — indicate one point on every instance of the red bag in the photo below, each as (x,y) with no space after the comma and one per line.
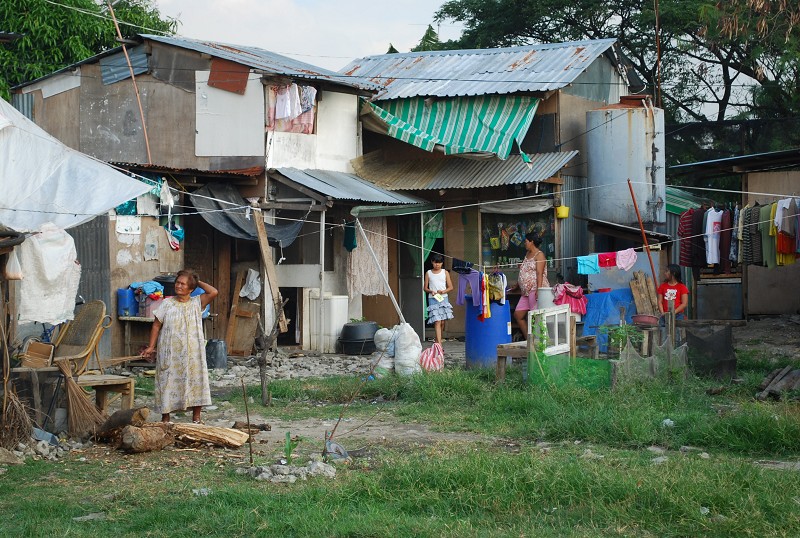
(432,359)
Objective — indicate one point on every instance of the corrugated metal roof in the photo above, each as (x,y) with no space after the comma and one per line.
(679,200)
(533,68)
(343,186)
(459,173)
(264,60)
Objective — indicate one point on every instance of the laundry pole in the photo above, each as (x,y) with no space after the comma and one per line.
(378,267)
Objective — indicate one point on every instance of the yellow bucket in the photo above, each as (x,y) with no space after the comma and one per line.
(562,211)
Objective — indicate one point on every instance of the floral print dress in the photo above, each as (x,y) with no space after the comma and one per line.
(181,372)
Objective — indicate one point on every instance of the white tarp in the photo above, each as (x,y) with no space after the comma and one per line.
(42,180)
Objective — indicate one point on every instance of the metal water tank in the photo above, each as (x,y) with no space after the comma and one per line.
(626,141)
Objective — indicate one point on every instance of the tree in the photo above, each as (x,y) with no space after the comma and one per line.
(717,60)
(429,41)
(56,35)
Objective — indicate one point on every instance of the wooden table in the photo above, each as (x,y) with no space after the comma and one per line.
(103,384)
(128,320)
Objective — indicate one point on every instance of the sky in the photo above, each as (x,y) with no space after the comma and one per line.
(325,33)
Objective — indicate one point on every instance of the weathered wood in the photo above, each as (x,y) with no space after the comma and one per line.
(652,294)
(124,417)
(253,428)
(155,436)
(702,322)
(269,265)
(767,380)
(784,384)
(200,433)
(765,393)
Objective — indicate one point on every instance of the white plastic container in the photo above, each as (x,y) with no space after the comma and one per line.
(545,298)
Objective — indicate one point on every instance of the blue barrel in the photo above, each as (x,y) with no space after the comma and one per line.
(126,303)
(481,338)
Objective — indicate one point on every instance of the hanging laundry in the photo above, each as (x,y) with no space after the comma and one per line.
(283,105)
(350,242)
(473,279)
(765,227)
(462,267)
(713,226)
(733,253)
(725,239)
(684,237)
(626,259)
(607,259)
(588,265)
(308,97)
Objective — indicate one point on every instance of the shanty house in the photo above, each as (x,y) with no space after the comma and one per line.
(497,138)
(219,130)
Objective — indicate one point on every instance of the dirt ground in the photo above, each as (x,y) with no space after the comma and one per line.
(777,337)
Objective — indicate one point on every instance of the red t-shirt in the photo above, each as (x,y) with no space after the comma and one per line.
(668,291)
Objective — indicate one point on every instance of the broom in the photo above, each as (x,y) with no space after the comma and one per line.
(16,424)
(83,415)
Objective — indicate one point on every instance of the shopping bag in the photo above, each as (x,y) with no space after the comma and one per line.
(432,359)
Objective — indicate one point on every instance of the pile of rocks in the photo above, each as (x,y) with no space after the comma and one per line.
(40,450)
(289,474)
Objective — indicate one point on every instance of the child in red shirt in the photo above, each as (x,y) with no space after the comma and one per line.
(673,289)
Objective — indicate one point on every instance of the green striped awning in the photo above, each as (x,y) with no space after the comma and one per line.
(483,124)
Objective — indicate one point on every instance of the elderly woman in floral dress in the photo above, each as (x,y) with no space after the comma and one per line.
(181,372)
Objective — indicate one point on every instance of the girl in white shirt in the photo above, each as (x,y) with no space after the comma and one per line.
(437,285)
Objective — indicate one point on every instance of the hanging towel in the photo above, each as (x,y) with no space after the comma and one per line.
(626,259)
(350,242)
(607,259)
(588,265)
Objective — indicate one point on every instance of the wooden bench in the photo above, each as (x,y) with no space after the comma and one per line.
(576,341)
(514,350)
(103,384)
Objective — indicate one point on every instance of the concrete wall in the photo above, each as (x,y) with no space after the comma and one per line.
(128,265)
(770,291)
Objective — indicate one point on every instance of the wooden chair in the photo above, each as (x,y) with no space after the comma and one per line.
(75,344)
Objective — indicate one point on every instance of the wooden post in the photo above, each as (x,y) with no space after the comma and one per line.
(269,265)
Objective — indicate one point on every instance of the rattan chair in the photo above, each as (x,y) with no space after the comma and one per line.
(79,339)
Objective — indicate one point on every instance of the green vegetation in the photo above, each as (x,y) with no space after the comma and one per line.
(556,460)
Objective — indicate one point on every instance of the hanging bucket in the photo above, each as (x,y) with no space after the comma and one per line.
(562,211)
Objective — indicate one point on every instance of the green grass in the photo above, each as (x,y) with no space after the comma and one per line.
(503,484)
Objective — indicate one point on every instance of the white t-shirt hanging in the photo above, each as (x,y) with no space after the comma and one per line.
(712,233)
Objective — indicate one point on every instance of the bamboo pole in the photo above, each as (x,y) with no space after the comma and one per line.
(644,235)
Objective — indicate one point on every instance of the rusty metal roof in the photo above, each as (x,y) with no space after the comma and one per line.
(459,173)
(264,60)
(451,73)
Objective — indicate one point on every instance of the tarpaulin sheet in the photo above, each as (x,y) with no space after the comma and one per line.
(42,180)
(221,205)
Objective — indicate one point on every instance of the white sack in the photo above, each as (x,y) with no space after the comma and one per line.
(52,275)
(252,285)
(407,350)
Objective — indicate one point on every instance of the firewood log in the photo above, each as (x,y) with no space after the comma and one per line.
(148,438)
(122,418)
(200,433)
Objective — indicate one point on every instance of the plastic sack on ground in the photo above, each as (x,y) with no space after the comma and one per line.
(384,341)
(432,359)
(385,364)
(407,350)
